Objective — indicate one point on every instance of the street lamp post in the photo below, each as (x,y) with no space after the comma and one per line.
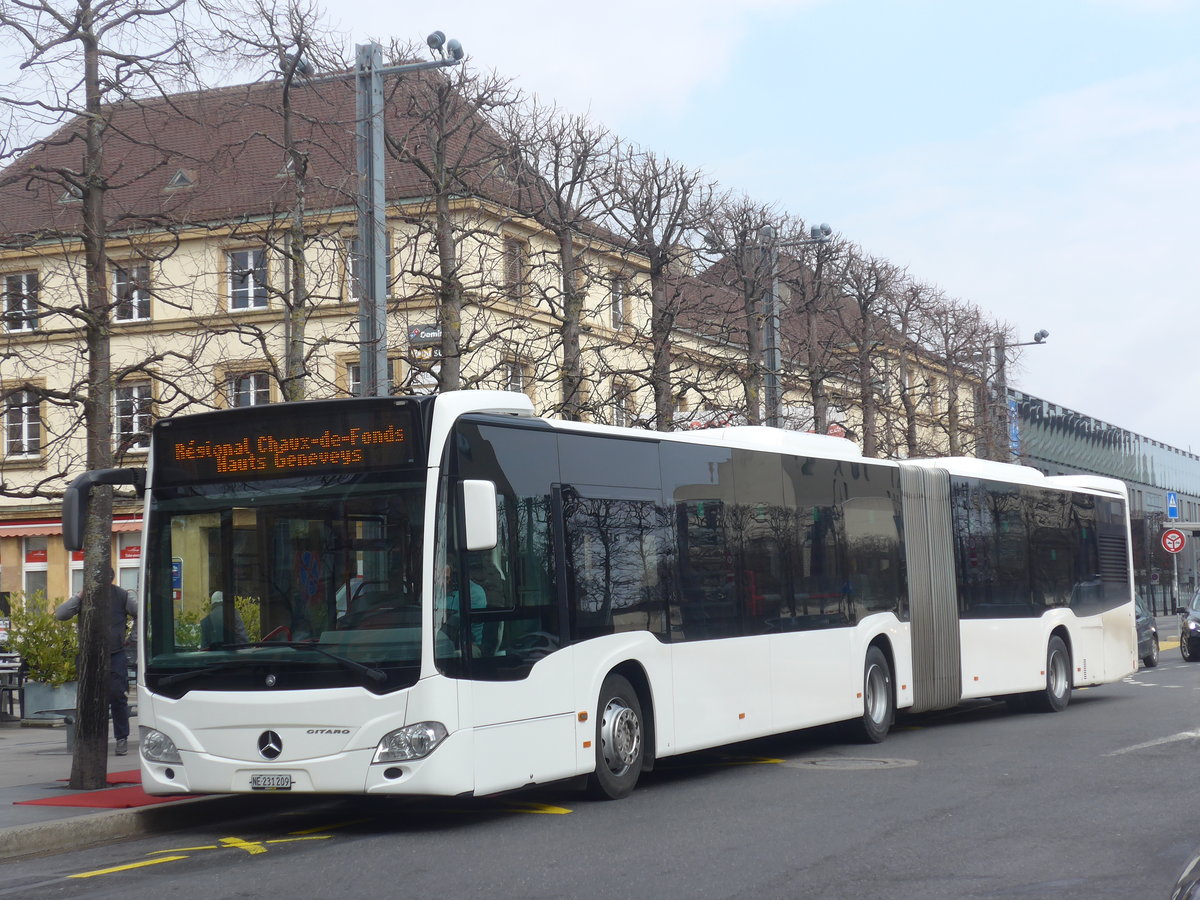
(1000,423)
(818,234)
(371,258)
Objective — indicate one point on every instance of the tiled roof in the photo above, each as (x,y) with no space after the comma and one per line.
(228,143)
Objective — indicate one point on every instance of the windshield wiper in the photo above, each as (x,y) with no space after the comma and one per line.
(376,675)
(168,680)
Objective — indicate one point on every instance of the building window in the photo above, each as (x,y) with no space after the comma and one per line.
(20,301)
(76,571)
(247,279)
(516,267)
(23,425)
(622,405)
(354,377)
(618,290)
(516,376)
(249,389)
(129,557)
(35,564)
(131,292)
(132,405)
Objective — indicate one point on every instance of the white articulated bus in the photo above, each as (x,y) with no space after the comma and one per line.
(632,595)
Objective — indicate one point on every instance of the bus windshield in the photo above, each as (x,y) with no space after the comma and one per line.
(316,579)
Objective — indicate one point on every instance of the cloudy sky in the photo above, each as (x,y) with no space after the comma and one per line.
(1040,158)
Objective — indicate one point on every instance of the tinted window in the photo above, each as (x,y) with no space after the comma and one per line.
(619,562)
(1021,550)
(616,462)
(698,487)
(513,617)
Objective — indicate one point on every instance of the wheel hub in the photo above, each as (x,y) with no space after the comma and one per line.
(620,737)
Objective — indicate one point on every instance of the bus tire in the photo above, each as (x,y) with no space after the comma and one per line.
(1057,693)
(879,707)
(620,740)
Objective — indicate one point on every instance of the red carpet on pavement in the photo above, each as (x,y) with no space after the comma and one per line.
(126,797)
(112,798)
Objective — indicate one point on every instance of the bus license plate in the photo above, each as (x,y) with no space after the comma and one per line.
(270,782)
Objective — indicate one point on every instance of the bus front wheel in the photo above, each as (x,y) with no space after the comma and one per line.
(878,705)
(620,740)
(1057,693)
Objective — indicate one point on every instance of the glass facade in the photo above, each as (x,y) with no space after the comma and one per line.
(1060,441)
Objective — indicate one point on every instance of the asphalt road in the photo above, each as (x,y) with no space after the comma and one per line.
(1095,802)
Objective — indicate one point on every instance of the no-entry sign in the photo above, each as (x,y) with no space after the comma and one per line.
(1173,540)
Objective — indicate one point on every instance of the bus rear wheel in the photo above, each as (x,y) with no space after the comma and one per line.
(878,704)
(1057,693)
(620,740)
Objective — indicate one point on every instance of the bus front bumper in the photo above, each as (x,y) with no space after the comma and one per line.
(447,771)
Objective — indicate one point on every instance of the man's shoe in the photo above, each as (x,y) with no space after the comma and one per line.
(122,746)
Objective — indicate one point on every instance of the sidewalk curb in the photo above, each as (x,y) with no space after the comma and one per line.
(80,832)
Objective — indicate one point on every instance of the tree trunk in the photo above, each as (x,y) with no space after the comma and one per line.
(450,305)
(90,760)
(870,441)
(572,359)
(660,336)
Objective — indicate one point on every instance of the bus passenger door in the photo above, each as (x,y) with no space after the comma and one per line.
(522,683)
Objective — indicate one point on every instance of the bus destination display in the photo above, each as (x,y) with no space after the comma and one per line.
(244,447)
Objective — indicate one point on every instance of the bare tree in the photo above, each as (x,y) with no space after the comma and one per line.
(294,42)
(957,330)
(867,284)
(735,233)
(657,206)
(441,124)
(908,310)
(812,274)
(560,160)
(90,58)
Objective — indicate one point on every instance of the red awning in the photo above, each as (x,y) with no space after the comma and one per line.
(27,529)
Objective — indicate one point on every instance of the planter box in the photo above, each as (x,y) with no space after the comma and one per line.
(43,703)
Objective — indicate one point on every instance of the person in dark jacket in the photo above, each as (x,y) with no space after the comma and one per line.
(123,607)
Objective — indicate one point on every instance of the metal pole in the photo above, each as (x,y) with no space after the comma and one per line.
(372,245)
(771,344)
(1000,412)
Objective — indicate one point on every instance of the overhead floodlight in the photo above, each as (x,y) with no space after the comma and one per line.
(820,232)
(1041,336)
(436,40)
(454,49)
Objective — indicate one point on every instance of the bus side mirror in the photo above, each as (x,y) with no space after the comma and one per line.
(479,514)
(78,498)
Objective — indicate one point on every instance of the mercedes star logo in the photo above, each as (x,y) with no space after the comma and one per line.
(270,745)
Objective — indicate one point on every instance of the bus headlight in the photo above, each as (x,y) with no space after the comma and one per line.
(157,747)
(410,742)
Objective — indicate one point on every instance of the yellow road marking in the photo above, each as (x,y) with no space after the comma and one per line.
(330,827)
(310,837)
(537,808)
(251,847)
(748,761)
(126,868)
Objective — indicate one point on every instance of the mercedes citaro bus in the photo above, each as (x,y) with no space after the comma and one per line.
(448,595)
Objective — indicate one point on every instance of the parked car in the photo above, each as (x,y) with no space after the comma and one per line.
(1147,634)
(1189,629)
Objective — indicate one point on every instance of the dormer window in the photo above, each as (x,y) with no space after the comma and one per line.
(181,179)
